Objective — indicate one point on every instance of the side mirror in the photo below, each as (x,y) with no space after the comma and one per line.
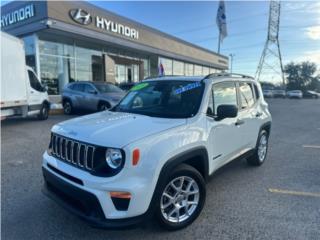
(227,111)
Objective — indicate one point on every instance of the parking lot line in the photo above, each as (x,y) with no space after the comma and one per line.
(289,192)
(311,146)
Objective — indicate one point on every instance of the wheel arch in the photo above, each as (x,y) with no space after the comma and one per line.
(196,157)
(267,127)
(103,101)
(46,102)
(66,99)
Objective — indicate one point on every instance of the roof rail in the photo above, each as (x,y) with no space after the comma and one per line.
(227,75)
(150,77)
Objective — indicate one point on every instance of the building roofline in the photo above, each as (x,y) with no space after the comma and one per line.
(148,28)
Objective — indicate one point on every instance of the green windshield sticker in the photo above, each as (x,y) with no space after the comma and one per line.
(139,86)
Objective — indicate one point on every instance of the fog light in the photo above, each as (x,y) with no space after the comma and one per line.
(121,200)
(122,195)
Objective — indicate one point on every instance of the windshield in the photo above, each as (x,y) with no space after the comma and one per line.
(107,88)
(165,99)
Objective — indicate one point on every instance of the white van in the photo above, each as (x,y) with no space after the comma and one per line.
(21,91)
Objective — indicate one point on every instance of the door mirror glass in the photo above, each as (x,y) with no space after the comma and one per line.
(227,111)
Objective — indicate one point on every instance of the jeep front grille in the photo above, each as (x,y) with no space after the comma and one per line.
(73,152)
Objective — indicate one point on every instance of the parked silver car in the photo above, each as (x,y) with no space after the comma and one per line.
(279,93)
(295,94)
(92,96)
(267,93)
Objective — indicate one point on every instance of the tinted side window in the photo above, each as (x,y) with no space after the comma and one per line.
(34,82)
(88,88)
(256,91)
(71,86)
(78,87)
(246,95)
(224,93)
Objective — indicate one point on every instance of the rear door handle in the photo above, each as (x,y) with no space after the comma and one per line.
(239,122)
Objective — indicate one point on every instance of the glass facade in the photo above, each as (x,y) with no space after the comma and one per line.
(174,67)
(127,73)
(167,65)
(62,63)
(61,60)
(205,71)
(189,69)
(57,65)
(178,68)
(197,70)
(30,48)
(89,65)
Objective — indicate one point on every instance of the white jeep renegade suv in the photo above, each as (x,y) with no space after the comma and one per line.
(154,151)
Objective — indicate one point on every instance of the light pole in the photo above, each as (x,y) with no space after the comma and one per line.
(231,62)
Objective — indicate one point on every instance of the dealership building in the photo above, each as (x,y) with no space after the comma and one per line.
(77,41)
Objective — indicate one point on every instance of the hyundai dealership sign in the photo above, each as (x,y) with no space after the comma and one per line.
(84,18)
(18,15)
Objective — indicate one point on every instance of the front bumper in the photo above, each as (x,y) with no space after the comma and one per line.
(82,203)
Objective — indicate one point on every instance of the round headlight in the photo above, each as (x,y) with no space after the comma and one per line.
(114,158)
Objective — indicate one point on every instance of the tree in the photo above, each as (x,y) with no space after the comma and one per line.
(301,76)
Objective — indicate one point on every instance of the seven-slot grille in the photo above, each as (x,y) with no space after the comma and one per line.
(74,152)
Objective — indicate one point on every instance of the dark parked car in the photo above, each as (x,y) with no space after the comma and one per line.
(93,96)
(311,94)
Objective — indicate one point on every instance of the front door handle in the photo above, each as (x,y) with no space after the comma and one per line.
(239,122)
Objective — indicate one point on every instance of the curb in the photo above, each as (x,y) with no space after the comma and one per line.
(56,111)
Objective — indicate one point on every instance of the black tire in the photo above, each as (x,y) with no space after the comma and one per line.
(44,112)
(67,107)
(187,172)
(103,106)
(255,159)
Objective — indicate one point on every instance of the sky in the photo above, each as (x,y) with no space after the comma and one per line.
(247,22)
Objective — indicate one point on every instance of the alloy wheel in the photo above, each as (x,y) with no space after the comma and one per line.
(262,148)
(180,199)
(67,108)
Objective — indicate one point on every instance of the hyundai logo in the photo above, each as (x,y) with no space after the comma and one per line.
(81,16)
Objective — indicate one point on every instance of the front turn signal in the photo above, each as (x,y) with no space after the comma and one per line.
(135,157)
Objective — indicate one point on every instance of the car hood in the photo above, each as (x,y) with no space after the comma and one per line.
(113,96)
(113,129)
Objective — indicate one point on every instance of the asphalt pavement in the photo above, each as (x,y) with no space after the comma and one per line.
(279,200)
